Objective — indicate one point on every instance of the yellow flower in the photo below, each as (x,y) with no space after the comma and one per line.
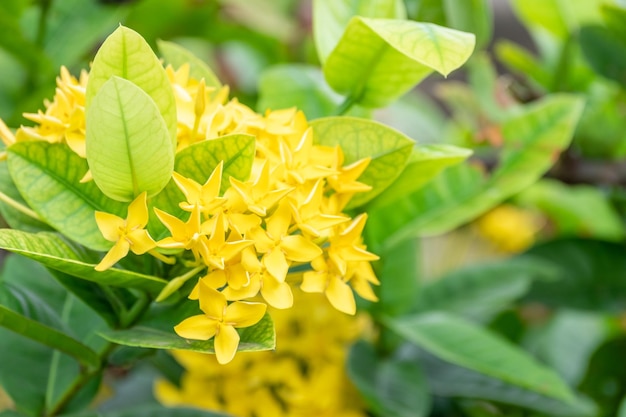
(205,197)
(185,235)
(220,320)
(327,279)
(297,164)
(509,228)
(307,214)
(129,234)
(217,249)
(346,246)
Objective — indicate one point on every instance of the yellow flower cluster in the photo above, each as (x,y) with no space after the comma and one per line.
(243,241)
(304,377)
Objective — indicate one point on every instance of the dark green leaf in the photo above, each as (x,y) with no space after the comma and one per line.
(391,387)
(151,411)
(605,51)
(467,345)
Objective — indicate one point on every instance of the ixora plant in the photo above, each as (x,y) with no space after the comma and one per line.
(175,218)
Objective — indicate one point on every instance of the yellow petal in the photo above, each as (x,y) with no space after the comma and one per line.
(340,295)
(110,225)
(248,291)
(277,294)
(314,281)
(198,327)
(363,288)
(117,252)
(299,249)
(279,222)
(212,302)
(242,314)
(276,264)
(140,241)
(226,343)
(138,212)
(188,186)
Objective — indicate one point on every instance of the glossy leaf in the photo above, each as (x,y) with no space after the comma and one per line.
(52,251)
(177,55)
(462,343)
(592,275)
(473,16)
(256,338)
(391,387)
(425,163)
(448,380)
(533,140)
(579,210)
(371,50)
(128,146)
(48,176)
(361,138)
(481,291)
(330,18)
(127,55)
(47,336)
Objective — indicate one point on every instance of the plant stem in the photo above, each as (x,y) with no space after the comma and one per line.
(19,207)
(345,106)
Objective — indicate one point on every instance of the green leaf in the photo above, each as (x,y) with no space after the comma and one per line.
(605,50)
(579,210)
(521,61)
(127,55)
(330,18)
(533,140)
(48,336)
(256,338)
(462,343)
(425,163)
(391,387)
(481,291)
(448,380)
(48,177)
(592,275)
(152,410)
(52,251)
(473,16)
(198,161)
(176,56)
(372,49)
(128,146)
(361,138)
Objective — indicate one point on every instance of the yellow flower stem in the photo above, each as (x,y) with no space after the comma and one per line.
(170,260)
(19,207)
(178,282)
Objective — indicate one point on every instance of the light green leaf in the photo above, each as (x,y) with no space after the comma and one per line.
(391,387)
(256,338)
(361,138)
(128,146)
(579,210)
(481,291)
(127,55)
(48,176)
(330,18)
(48,336)
(176,56)
(52,251)
(425,163)
(462,343)
(533,140)
(473,16)
(521,61)
(448,380)
(372,49)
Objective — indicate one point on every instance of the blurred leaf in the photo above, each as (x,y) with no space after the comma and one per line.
(462,343)
(52,251)
(473,16)
(615,18)
(592,275)
(361,138)
(48,176)
(520,61)
(605,50)
(256,338)
(558,342)
(579,210)
(622,409)
(152,410)
(448,380)
(425,163)
(371,49)
(16,43)
(399,277)
(533,140)
(481,291)
(391,387)
(176,55)
(128,144)
(331,17)
(127,55)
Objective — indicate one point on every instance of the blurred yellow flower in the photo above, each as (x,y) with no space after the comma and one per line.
(510,228)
